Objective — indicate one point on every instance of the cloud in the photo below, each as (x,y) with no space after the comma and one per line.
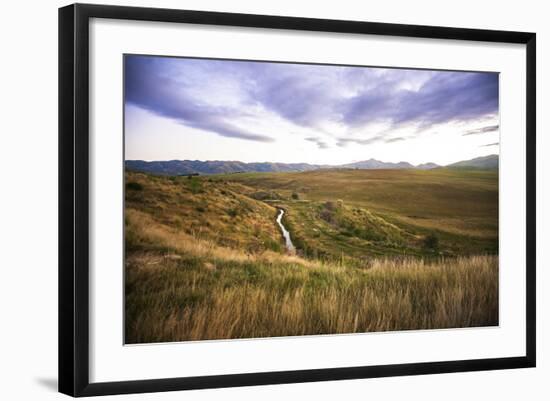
(482,130)
(397,139)
(311,95)
(152,84)
(490,144)
(230,98)
(344,141)
(443,97)
(318,141)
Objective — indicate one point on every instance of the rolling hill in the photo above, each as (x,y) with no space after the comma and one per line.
(485,162)
(205,258)
(373,164)
(194,167)
(187,167)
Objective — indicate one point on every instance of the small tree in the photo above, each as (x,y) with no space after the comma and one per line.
(295,195)
(431,242)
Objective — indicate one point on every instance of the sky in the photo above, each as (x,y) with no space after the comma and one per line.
(204,109)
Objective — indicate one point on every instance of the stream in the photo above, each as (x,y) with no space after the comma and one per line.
(288,242)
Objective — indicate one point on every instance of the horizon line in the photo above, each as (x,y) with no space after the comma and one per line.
(311,164)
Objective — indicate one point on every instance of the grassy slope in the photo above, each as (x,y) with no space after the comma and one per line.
(184,288)
(464,201)
(215,211)
(401,206)
(204,259)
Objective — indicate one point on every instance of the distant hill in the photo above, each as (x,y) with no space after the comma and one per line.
(427,166)
(377,164)
(484,162)
(185,167)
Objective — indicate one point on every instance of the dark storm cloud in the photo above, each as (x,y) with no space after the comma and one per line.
(310,96)
(482,130)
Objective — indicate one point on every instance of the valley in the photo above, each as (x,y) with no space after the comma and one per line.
(204,253)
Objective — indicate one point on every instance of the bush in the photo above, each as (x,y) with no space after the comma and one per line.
(264,195)
(431,242)
(295,195)
(134,186)
(327,215)
(195,185)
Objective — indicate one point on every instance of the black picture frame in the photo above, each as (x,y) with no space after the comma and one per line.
(74,198)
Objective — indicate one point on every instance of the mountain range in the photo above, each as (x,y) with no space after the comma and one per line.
(484,162)
(186,167)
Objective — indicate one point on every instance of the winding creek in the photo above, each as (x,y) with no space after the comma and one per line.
(288,242)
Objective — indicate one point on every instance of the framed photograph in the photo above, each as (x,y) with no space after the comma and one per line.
(250,199)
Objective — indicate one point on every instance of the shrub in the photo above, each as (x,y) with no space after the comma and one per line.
(327,215)
(329,205)
(261,195)
(295,195)
(134,186)
(195,185)
(431,242)
(265,195)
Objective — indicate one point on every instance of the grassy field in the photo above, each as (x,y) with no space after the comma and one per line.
(376,250)
(387,212)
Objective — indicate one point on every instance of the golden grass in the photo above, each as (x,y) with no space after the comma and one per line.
(216,211)
(142,229)
(463,202)
(191,289)
(205,259)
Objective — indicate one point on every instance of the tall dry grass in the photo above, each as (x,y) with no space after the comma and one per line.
(183,288)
